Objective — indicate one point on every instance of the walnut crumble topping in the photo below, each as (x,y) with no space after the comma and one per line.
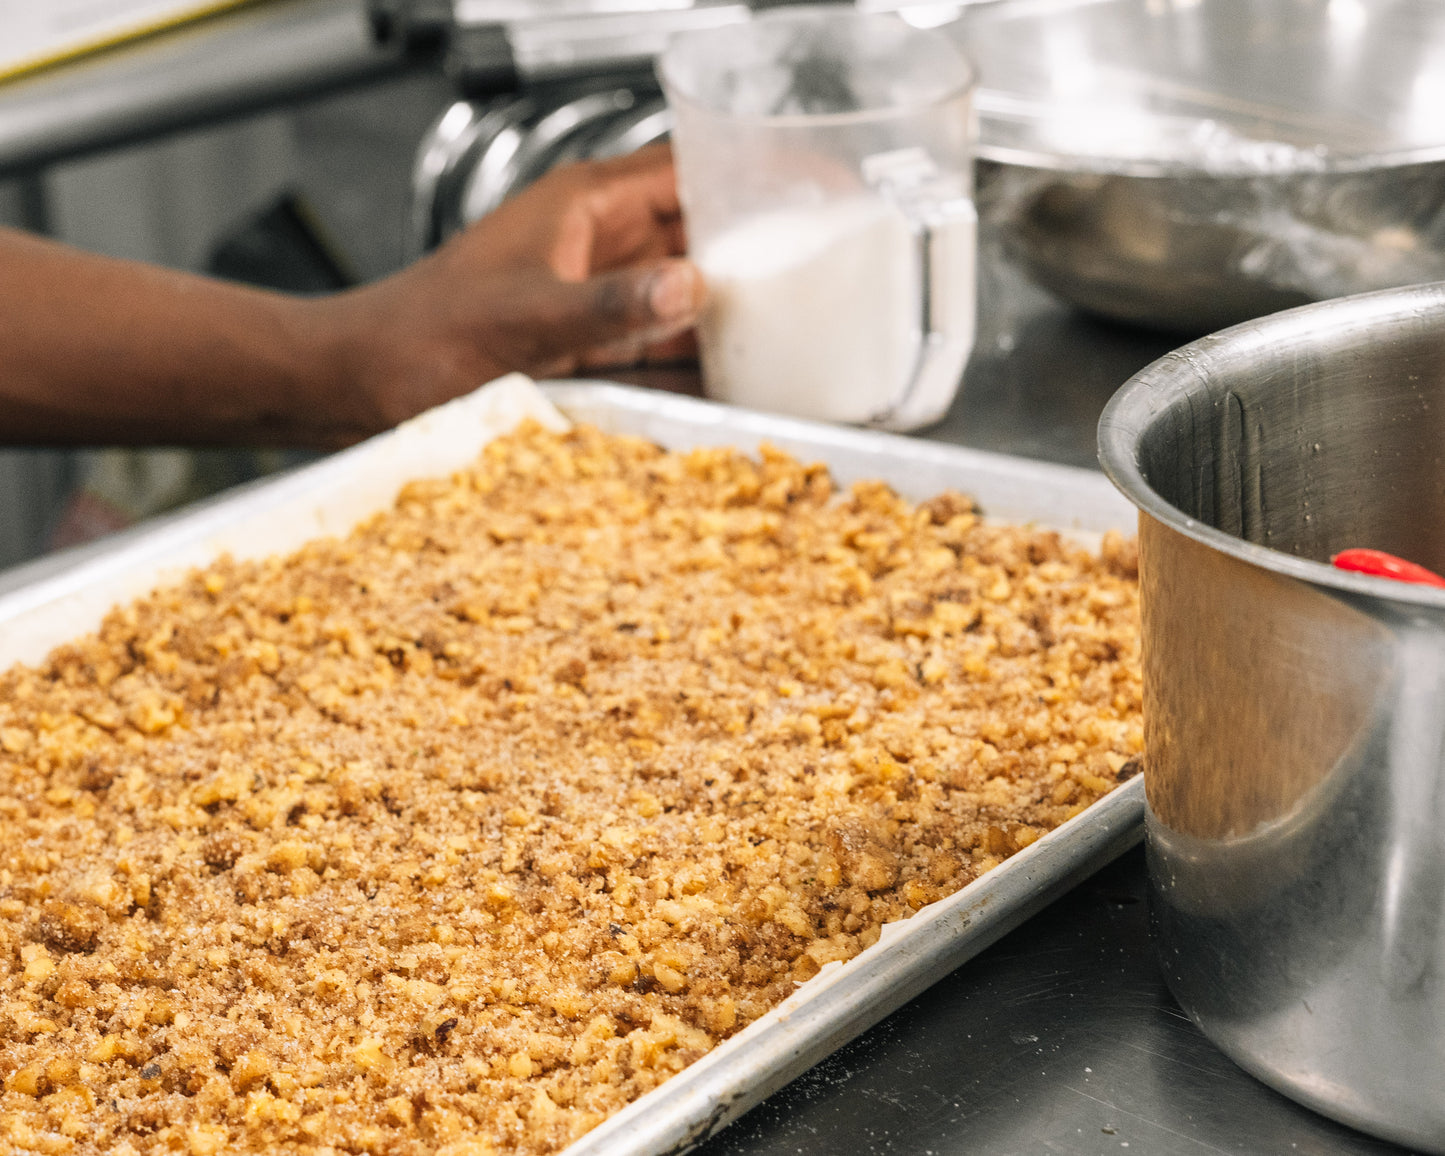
(460,833)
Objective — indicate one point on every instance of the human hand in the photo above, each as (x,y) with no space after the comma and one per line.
(581,269)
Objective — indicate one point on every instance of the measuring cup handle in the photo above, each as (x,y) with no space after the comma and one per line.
(940,212)
(945,236)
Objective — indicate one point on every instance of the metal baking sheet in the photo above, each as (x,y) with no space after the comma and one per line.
(846,998)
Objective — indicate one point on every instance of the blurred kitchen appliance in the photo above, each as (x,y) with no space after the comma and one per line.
(497,46)
(540,82)
(545,81)
(491,46)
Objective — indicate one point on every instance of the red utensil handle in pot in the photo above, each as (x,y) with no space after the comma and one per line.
(1383,565)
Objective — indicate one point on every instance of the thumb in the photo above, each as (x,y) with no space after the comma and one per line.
(634,306)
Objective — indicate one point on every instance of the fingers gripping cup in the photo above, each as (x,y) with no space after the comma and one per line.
(825,166)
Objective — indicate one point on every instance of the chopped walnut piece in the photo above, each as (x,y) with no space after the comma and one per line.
(68,926)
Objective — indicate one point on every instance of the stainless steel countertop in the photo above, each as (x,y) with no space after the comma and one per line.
(224,66)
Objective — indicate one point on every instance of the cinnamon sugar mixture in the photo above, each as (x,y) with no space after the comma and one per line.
(460,833)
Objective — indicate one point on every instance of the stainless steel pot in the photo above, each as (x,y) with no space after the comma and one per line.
(1294,713)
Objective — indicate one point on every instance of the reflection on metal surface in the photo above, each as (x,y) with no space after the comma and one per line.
(1296,713)
(477,154)
(1305,668)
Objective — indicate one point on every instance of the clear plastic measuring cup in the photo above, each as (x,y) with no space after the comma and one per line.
(825,167)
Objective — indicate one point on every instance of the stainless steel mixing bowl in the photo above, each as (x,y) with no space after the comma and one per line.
(1295,713)
(1188,165)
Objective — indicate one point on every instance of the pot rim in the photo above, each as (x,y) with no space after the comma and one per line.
(1138,402)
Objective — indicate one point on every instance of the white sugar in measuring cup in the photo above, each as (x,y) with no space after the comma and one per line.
(825,164)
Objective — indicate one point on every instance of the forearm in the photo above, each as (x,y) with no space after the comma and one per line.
(578,267)
(99,351)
